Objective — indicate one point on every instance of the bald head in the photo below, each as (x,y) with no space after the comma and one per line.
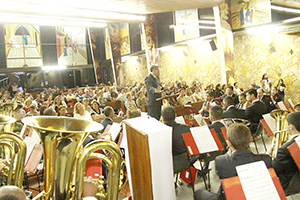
(260,93)
(11,192)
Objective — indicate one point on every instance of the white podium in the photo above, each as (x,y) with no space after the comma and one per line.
(148,152)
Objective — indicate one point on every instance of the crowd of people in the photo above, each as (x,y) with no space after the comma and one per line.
(221,101)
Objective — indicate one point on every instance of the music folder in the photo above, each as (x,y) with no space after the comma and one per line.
(202,140)
(294,150)
(234,190)
(269,124)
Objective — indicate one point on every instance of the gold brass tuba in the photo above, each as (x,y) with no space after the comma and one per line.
(13,151)
(281,135)
(297,107)
(6,108)
(62,139)
(6,123)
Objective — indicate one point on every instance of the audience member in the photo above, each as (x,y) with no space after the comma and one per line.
(109,114)
(80,112)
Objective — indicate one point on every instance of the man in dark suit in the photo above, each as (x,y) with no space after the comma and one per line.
(238,139)
(179,150)
(215,116)
(255,111)
(262,98)
(231,111)
(153,92)
(283,163)
(229,92)
(210,101)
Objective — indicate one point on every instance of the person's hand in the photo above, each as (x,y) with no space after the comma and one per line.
(158,89)
(90,187)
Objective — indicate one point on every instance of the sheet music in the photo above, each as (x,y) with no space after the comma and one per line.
(30,142)
(270,121)
(292,103)
(256,181)
(297,140)
(281,105)
(203,139)
(198,119)
(180,120)
(114,130)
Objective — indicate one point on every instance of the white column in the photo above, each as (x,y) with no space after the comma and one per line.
(220,44)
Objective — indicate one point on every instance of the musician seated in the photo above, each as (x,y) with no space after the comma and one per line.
(283,163)
(189,96)
(275,97)
(215,116)
(255,111)
(262,98)
(229,92)
(179,150)
(210,101)
(231,111)
(243,103)
(238,139)
(12,193)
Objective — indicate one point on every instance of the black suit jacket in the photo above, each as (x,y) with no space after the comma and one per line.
(178,144)
(234,96)
(225,164)
(254,113)
(284,164)
(233,112)
(151,84)
(217,126)
(105,122)
(267,102)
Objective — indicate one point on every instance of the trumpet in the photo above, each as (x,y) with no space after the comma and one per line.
(281,135)
(62,139)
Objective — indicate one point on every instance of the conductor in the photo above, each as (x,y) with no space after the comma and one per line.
(153,92)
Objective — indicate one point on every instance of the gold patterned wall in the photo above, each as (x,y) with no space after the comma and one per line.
(134,69)
(189,63)
(276,54)
(184,63)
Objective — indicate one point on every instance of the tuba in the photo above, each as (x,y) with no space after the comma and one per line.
(13,151)
(281,135)
(62,139)
(297,107)
(6,108)
(6,123)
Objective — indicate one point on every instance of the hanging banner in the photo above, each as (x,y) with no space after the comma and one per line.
(124,35)
(22,45)
(95,42)
(246,13)
(150,33)
(114,37)
(187,25)
(71,46)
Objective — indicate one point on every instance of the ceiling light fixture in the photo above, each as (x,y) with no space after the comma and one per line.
(192,26)
(51,68)
(290,10)
(49,21)
(40,8)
